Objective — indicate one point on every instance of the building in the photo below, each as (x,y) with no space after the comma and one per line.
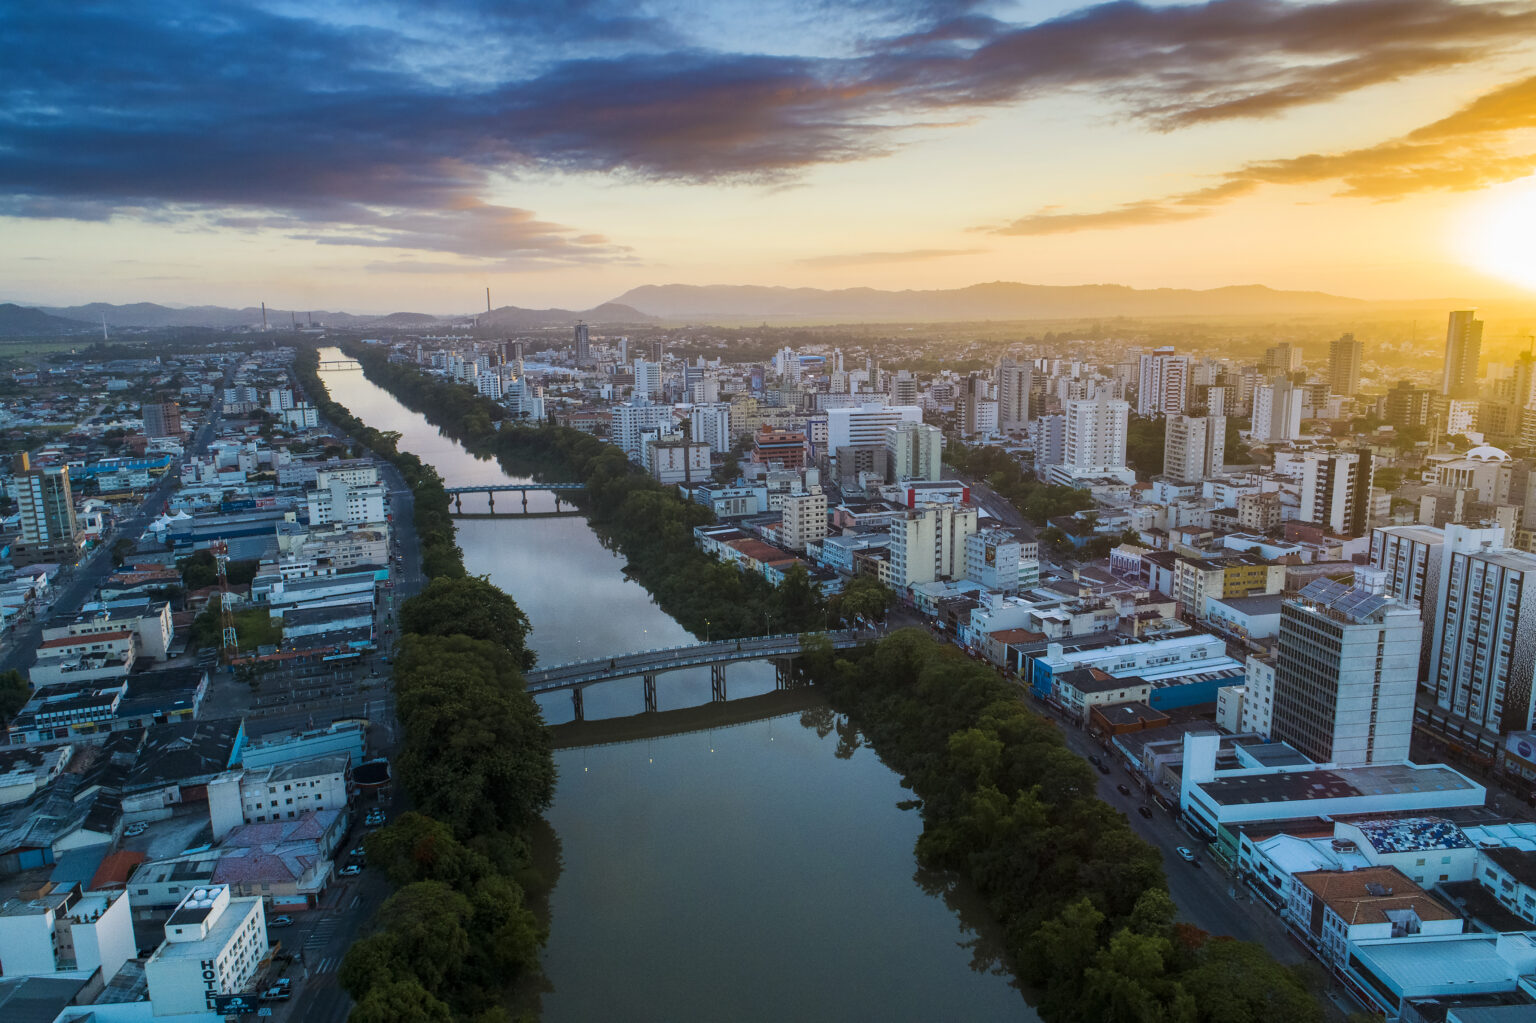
(1282,359)
(1048,439)
(710,423)
(672,459)
(928,543)
(1336,908)
(866,424)
(278,791)
(582,337)
(1336,492)
(1407,406)
(1194,447)
(1095,442)
(1258,711)
(785,448)
(1412,562)
(992,558)
(805,519)
(1258,513)
(345,503)
(161,419)
(632,419)
(1164,383)
(1346,670)
(1484,652)
(1013,383)
(1276,413)
(214,944)
(915,451)
(1344,366)
(1463,351)
(49,531)
(66,933)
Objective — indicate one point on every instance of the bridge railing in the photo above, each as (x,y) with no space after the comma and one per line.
(702,650)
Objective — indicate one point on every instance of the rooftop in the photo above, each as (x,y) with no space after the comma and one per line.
(1409,834)
(1460,960)
(1334,783)
(1368,895)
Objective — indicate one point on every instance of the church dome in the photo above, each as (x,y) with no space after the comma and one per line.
(1486,453)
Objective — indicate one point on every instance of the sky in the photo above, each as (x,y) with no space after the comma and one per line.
(377,156)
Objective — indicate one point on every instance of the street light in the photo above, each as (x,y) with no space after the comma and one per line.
(706,630)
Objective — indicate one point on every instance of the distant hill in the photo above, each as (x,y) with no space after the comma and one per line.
(149,314)
(19,321)
(516,318)
(996,301)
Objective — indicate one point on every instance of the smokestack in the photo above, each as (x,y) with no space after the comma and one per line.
(263,317)
(487,299)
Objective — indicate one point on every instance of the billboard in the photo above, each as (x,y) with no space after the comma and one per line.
(236,1005)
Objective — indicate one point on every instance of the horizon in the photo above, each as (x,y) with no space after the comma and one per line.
(1377,149)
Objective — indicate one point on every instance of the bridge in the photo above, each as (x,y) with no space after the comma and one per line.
(340,365)
(490,490)
(648,664)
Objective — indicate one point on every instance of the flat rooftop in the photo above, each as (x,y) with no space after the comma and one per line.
(1462,959)
(1334,783)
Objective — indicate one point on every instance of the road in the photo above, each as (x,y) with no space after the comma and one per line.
(1001,510)
(77,583)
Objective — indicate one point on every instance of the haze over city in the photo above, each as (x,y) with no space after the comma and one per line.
(396,156)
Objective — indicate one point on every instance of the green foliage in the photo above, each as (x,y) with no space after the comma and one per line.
(1237,452)
(863,597)
(254,627)
(1081,898)
(121,548)
(1144,444)
(199,570)
(1036,501)
(14,692)
(1389,478)
(468,606)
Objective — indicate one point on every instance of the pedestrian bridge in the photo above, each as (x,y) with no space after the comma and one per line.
(490,490)
(648,664)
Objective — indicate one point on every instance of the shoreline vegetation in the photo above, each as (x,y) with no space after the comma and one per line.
(459,939)
(1088,918)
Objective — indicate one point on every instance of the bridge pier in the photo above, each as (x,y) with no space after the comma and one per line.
(576,703)
(717,682)
(783,672)
(490,495)
(458,503)
(557,502)
(525,502)
(650,692)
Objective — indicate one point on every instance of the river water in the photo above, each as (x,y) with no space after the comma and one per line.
(750,872)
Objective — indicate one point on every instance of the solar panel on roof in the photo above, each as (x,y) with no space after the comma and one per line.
(1324,591)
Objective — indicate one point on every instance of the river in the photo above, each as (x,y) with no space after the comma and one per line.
(744,873)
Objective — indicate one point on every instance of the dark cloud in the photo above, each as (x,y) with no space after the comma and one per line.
(1475,147)
(388,124)
(873,258)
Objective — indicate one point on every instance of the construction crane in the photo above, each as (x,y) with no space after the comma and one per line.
(231,643)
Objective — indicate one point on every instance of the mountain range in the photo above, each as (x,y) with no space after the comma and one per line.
(723,304)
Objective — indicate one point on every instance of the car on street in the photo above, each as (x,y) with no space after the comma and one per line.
(135,829)
(1103,768)
(358,852)
(1144,811)
(280,921)
(1122,789)
(351,870)
(276,994)
(1187,855)
(1094,760)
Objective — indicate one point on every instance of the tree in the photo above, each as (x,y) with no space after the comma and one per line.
(1238,982)
(470,606)
(14,693)
(121,548)
(1144,444)
(199,571)
(864,597)
(1389,478)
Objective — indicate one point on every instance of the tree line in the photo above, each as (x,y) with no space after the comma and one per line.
(1089,923)
(458,934)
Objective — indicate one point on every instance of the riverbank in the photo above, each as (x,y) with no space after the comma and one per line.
(477,766)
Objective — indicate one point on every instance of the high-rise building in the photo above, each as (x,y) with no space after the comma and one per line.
(1281,360)
(1407,406)
(1484,651)
(1463,349)
(49,531)
(1013,384)
(1048,437)
(1194,447)
(992,559)
(1276,412)
(866,424)
(1164,383)
(583,337)
(1344,366)
(903,388)
(805,519)
(163,418)
(1411,560)
(710,424)
(1095,442)
(1346,669)
(1336,492)
(928,543)
(658,350)
(647,378)
(915,452)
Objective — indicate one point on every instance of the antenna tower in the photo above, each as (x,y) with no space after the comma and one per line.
(231,643)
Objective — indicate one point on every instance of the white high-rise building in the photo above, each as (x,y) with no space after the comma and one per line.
(489,385)
(1346,670)
(1276,412)
(1048,438)
(992,559)
(1336,492)
(914,451)
(1095,443)
(805,519)
(866,424)
(928,543)
(647,378)
(711,424)
(1484,653)
(630,420)
(1164,383)
(1013,383)
(1411,560)
(1194,447)
(214,944)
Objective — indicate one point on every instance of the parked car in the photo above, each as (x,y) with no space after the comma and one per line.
(351,870)
(1103,768)
(1122,789)
(1094,759)
(276,994)
(1187,855)
(135,829)
(359,852)
(1144,811)
(280,921)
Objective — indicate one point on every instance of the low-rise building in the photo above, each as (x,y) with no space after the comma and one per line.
(1335,908)
(214,944)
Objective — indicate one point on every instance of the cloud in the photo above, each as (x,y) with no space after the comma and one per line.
(389,124)
(1470,149)
(873,258)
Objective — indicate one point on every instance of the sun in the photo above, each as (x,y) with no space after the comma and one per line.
(1499,235)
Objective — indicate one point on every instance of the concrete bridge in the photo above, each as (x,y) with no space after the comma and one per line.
(490,490)
(339,365)
(648,664)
